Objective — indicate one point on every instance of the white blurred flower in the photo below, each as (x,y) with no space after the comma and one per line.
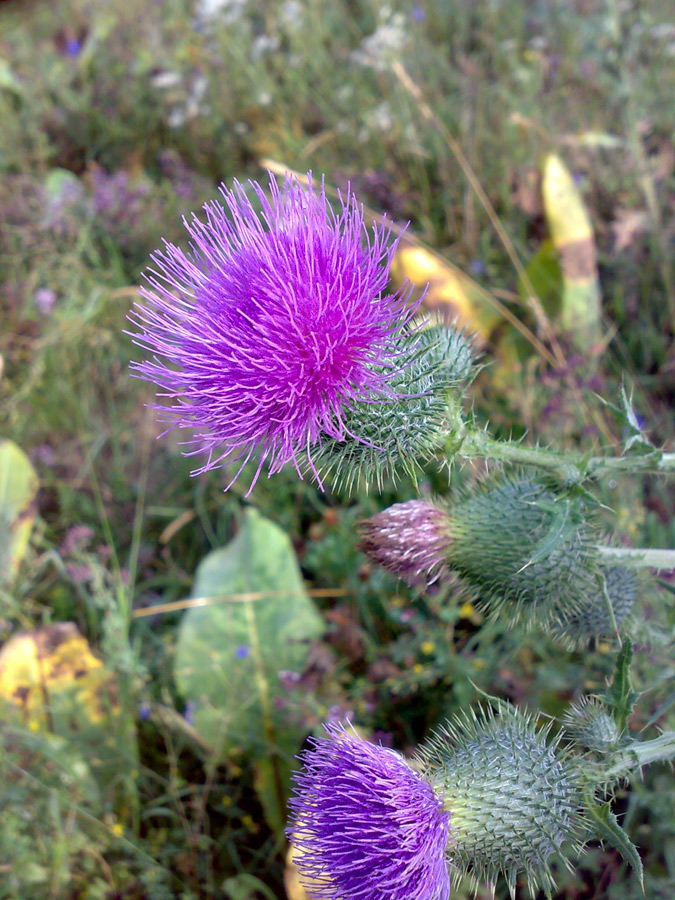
(226,11)
(379,49)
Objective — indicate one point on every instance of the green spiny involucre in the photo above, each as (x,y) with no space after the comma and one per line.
(514,797)
(396,435)
(590,726)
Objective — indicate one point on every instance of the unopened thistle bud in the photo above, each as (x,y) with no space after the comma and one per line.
(591,619)
(513,797)
(409,540)
(367,825)
(521,548)
(590,726)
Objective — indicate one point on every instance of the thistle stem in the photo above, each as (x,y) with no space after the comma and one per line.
(638,557)
(642,753)
(574,467)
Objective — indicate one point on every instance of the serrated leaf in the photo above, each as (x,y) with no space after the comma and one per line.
(620,696)
(636,440)
(18,490)
(608,829)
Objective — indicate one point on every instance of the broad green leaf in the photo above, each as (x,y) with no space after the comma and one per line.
(229,654)
(608,829)
(18,490)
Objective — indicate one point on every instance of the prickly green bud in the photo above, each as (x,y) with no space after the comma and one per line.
(523,549)
(514,798)
(591,619)
(590,726)
(398,432)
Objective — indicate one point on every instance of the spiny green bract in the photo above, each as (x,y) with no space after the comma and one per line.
(591,619)
(397,435)
(514,798)
(523,549)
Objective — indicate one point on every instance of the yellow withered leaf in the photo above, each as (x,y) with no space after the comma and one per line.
(572,235)
(452,293)
(53,681)
(294,887)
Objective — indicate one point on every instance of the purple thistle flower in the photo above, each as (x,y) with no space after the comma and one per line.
(367,826)
(410,540)
(271,325)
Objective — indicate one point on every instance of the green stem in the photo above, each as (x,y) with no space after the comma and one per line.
(574,467)
(642,753)
(637,557)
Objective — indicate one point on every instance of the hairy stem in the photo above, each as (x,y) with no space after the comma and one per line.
(573,467)
(637,557)
(642,753)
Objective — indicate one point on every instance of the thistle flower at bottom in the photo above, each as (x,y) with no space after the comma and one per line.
(488,795)
(368,827)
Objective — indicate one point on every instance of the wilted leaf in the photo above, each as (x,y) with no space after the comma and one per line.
(294,887)
(50,681)
(572,235)
(450,292)
(18,490)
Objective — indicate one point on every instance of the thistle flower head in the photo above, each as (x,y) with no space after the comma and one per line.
(272,326)
(409,540)
(367,825)
(513,796)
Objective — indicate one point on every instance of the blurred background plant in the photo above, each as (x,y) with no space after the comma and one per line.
(152,697)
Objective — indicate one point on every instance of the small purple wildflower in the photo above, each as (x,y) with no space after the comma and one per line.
(368,827)
(45,300)
(272,325)
(241,652)
(409,540)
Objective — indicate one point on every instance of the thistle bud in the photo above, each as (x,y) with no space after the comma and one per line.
(513,797)
(522,548)
(590,726)
(406,427)
(591,618)
(409,540)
